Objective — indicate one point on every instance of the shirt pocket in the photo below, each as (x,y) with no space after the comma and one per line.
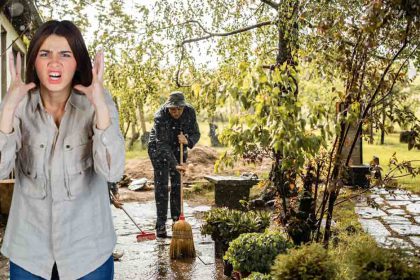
(78,164)
(31,164)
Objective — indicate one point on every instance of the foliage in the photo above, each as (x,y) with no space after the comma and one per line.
(386,152)
(255,251)
(307,262)
(365,260)
(258,276)
(225,224)
(74,10)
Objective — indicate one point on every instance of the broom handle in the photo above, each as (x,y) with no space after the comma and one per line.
(181,159)
(125,211)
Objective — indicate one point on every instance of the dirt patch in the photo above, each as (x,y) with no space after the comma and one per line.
(144,195)
(201,160)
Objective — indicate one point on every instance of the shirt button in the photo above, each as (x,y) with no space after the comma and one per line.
(67,146)
(41,146)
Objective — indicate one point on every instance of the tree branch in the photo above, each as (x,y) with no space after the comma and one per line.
(211,34)
(377,90)
(178,71)
(272,4)
(389,93)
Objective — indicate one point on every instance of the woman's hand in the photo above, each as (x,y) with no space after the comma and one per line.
(15,94)
(95,92)
(17,88)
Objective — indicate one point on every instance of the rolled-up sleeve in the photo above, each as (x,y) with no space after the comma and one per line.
(109,147)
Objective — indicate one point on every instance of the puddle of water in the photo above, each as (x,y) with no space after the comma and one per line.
(150,259)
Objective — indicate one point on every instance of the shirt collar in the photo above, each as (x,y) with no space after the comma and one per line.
(77,100)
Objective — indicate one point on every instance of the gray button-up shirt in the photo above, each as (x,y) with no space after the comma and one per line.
(60,209)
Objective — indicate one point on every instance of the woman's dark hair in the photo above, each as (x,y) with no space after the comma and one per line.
(68,30)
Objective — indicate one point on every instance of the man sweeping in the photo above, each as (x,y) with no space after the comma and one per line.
(175,124)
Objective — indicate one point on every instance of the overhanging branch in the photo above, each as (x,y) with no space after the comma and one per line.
(272,4)
(208,36)
(237,31)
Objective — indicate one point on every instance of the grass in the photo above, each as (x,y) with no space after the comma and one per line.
(385,152)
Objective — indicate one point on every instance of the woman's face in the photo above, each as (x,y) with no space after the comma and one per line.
(55,64)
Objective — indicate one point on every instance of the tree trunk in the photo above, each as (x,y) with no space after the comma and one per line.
(141,118)
(134,136)
(370,133)
(383,125)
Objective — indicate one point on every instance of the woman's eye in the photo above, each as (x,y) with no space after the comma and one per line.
(66,55)
(43,54)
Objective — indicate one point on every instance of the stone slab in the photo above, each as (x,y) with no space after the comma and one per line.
(415,240)
(377,190)
(379,200)
(374,228)
(417,219)
(394,242)
(397,197)
(405,230)
(413,208)
(415,197)
(395,211)
(399,203)
(395,219)
(369,212)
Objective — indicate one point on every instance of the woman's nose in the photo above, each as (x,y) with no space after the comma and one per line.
(55,59)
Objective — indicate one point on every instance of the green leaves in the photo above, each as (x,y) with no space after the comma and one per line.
(226,224)
(256,251)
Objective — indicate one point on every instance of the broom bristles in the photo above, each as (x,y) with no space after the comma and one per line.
(182,243)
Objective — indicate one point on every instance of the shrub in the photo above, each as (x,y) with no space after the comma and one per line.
(255,251)
(307,262)
(258,276)
(226,224)
(366,260)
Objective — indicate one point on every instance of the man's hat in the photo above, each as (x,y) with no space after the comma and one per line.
(176,99)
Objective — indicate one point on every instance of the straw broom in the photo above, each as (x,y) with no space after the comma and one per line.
(182,243)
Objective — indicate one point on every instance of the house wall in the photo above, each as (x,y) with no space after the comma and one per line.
(8,41)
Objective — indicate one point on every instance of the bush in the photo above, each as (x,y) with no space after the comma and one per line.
(366,260)
(226,224)
(258,276)
(307,262)
(255,251)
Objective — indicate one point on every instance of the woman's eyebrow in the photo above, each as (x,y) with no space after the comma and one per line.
(48,51)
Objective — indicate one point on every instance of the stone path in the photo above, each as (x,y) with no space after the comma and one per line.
(396,221)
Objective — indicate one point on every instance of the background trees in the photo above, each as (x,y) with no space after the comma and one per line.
(285,65)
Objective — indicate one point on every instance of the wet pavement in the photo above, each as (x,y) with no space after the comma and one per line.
(150,259)
(396,221)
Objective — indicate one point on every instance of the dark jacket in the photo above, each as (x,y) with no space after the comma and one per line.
(163,141)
